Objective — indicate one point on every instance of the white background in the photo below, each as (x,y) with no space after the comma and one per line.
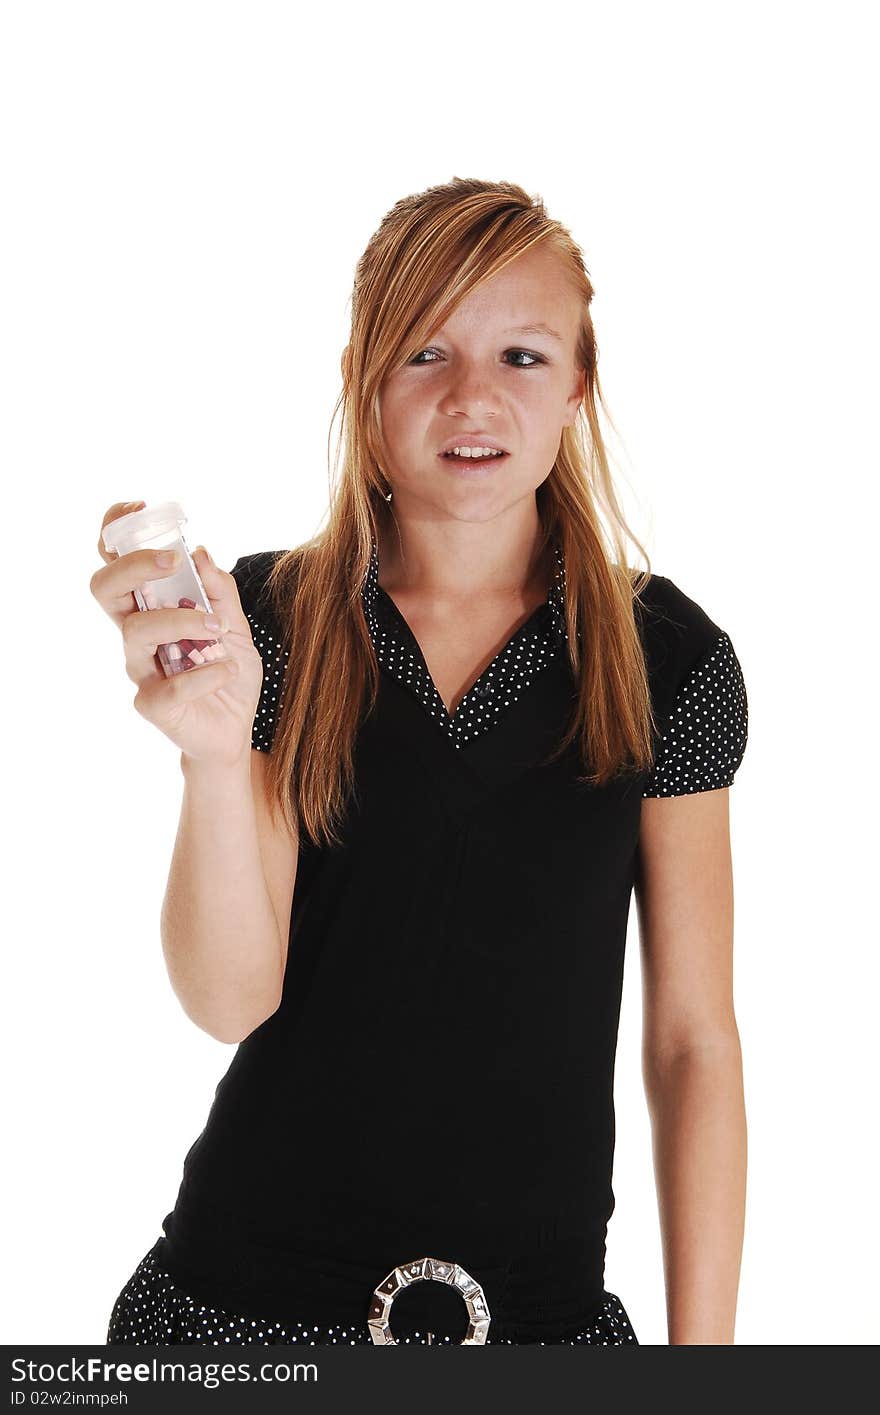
(187,188)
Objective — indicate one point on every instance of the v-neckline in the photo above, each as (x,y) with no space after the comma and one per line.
(479,684)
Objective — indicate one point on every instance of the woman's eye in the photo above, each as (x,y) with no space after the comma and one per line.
(535,358)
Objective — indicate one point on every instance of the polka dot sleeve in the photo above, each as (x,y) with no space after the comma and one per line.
(249,572)
(705,735)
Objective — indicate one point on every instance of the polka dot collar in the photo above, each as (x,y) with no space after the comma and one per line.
(528,651)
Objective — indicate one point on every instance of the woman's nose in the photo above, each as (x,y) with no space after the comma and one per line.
(468,392)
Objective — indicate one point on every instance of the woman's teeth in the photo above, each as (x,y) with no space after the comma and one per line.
(474,452)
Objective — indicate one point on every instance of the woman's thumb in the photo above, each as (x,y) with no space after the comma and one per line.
(211,576)
(205,563)
(220,587)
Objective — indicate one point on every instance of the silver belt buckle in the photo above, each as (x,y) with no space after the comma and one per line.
(422,1270)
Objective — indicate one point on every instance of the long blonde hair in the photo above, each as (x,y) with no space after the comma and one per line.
(430,250)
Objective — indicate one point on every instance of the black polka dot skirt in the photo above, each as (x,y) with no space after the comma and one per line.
(152,1310)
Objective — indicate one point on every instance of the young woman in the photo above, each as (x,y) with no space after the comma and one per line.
(458,730)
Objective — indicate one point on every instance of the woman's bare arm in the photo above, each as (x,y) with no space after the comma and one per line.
(692,1061)
(226,909)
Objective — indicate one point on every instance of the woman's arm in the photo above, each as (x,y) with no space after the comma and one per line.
(226,911)
(692,1062)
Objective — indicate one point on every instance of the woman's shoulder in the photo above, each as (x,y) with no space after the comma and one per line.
(676,629)
(697,688)
(251,573)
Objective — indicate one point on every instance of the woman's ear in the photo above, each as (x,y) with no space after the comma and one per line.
(576,398)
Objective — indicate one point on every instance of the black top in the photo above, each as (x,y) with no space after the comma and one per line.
(438,1078)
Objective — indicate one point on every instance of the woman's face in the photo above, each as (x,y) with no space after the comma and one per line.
(481,374)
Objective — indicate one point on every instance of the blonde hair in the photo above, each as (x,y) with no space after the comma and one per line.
(430,250)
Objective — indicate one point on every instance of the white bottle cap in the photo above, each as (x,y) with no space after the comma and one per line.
(138,528)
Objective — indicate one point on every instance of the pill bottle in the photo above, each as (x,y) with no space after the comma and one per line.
(159,528)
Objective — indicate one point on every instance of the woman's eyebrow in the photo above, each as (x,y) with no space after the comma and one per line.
(525,329)
(535,329)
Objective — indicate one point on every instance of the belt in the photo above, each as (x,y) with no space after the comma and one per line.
(543,1294)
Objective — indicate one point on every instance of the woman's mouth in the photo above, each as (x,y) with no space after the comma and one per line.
(471,462)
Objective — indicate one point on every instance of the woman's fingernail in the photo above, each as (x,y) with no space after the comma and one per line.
(166,557)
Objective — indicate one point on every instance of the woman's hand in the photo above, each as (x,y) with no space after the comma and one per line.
(207,711)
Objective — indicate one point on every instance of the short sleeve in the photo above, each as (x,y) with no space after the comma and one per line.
(250,573)
(704,706)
